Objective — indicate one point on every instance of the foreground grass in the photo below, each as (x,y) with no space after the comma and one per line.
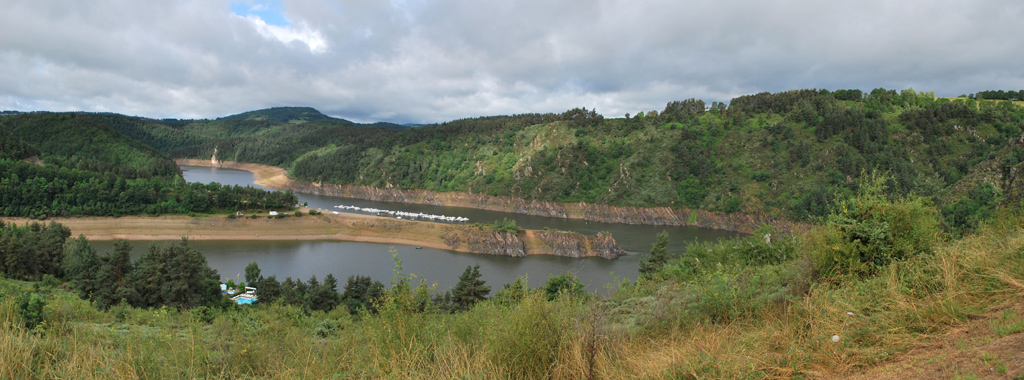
(769,321)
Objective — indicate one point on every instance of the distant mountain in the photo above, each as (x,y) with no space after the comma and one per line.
(282,115)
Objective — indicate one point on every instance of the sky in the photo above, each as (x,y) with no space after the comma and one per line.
(412,61)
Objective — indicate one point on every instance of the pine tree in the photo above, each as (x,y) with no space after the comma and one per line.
(113,276)
(253,275)
(80,265)
(653,262)
(470,289)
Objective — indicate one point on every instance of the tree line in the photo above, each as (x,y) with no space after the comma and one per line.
(35,191)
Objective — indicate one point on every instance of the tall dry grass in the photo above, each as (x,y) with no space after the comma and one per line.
(658,332)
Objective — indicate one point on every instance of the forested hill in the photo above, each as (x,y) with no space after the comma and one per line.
(791,154)
(83,141)
(14,149)
(86,167)
(274,136)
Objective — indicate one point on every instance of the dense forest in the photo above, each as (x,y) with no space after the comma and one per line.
(791,154)
(83,166)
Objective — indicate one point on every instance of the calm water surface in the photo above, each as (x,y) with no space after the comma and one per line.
(302,259)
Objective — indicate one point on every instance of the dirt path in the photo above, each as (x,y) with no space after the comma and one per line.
(985,347)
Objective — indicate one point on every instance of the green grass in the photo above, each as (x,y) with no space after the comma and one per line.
(746,308)
(1010,322)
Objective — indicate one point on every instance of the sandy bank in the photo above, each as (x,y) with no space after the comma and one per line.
(344,227)
(271,177)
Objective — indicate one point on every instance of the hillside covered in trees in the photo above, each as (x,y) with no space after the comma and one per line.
(74,164)
(911,250)
(790,154)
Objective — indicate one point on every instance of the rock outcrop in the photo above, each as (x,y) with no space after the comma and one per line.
(482,240)
(571,244)
(530,242)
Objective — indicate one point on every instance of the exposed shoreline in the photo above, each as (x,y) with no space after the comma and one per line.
(276,178)
(344,227)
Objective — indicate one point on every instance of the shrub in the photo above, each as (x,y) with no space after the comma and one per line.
(869,231)
(507,225)
(565,284)
(30,307)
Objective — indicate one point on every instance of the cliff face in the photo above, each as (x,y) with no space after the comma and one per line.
(571,244)
(746,223)
(529,242)
(483,241)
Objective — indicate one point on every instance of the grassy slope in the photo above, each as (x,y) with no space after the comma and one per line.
(956,312)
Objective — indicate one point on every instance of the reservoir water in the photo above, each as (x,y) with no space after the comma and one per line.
(302,259)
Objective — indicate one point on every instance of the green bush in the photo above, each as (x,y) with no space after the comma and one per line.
(507,225)
(30,307)
(869,231)
(565,284)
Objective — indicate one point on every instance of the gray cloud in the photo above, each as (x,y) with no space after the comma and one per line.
(423,61)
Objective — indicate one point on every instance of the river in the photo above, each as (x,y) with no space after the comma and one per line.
(302,259)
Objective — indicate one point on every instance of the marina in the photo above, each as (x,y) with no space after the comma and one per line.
(404,214)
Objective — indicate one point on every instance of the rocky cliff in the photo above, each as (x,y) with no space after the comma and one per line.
(483,240)
(529,242)
(746,223)
(571,244)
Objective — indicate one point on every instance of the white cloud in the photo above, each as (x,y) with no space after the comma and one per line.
(437,60)
(313,40)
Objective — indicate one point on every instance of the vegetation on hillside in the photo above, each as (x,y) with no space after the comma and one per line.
(933,240)
(35,191)
(11,148)
(791,154)
(83,141)
(89,168)
(819,304)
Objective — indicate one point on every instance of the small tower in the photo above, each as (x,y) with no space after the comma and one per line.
(213,161)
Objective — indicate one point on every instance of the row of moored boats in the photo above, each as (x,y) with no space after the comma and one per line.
(404,214)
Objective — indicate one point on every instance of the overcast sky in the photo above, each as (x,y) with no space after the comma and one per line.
(430,61)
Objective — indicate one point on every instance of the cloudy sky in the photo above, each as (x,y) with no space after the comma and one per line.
(437,60)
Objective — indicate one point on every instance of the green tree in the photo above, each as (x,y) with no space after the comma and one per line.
(113,280)
(176,276)
(470,289)
(269,290)
(563,284)
(656,259)
(81,266)
(323,296)
(252,275)
(360,292)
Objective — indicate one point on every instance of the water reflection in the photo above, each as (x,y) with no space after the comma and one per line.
(302,259)
(299,259)
(632,238)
